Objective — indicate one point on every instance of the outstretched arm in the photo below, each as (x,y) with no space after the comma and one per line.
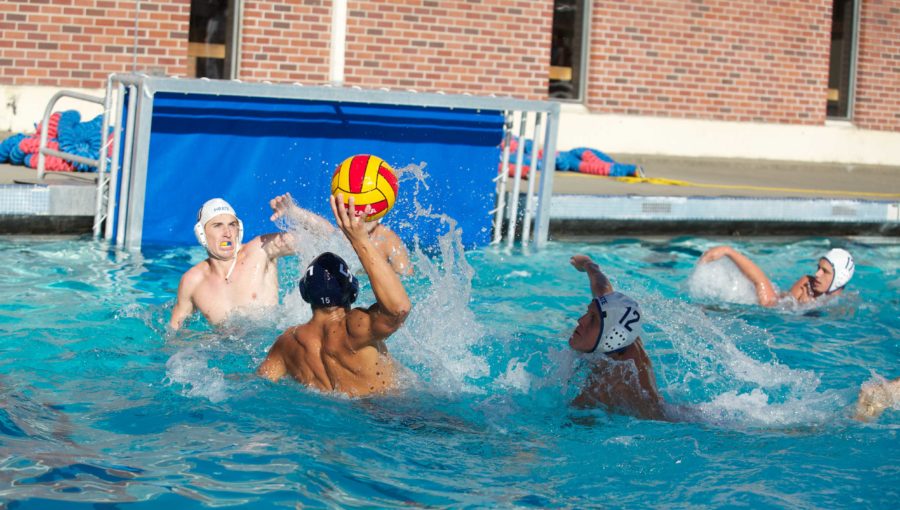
(600,285)
(283,243)
(765,291)
(393,305)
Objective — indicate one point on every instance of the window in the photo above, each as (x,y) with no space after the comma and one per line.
(568,49)
(842,59)
(211,52)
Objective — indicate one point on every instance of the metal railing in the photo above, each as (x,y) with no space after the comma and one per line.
(103,176)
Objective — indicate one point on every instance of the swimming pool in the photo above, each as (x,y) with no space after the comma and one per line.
(100,405)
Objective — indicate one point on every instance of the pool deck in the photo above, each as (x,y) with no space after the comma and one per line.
(690,196)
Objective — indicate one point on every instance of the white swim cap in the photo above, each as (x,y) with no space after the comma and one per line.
(620,321)
(843,266)
(210,210)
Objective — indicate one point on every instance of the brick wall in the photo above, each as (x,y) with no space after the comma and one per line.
(878,67)
(475,46)
(286,41)
(77,43)
(734,60)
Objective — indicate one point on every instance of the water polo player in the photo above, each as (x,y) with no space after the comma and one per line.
(235,276)
(623,379)
(834,271)
(342,349)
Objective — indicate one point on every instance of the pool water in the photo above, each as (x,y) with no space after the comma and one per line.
(102,405)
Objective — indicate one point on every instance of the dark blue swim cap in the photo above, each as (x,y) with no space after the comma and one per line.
(328,282)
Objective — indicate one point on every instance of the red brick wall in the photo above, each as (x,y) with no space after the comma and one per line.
(77,43)
(476,46)
(286,41)
(878,67)
(734,60)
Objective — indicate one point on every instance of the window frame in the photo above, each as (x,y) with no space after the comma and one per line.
(582,59)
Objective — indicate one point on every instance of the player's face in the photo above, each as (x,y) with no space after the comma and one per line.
(823,277)
(588,328)
(221,235)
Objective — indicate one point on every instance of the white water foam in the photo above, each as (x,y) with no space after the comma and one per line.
(739,388)
(721,280)
(190,368)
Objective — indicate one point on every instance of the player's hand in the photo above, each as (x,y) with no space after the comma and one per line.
(715,254)
(351,221)
(580,262)
(280,206)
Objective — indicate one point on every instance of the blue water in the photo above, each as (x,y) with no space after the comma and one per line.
(101,405)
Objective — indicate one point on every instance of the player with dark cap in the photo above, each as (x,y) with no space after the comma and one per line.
(342,349)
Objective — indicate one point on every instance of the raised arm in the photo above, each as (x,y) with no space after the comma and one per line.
(765,291)
(282,244)
(393,249)
(600,285)
(392,303)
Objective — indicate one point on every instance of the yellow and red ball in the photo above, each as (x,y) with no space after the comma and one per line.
(369,180)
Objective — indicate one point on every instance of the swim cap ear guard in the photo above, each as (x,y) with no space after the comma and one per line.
(211,209)
(620,322)
(328,282)
(843,267)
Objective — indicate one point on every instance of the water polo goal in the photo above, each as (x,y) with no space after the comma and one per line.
(182,141)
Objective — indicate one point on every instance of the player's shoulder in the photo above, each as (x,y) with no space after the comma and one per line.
(195,275)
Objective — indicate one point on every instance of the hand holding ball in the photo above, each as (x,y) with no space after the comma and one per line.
(370,181)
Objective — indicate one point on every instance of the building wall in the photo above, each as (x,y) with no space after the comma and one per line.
(711,61)
(285,41)
(878,67)
(732,60)
(77,43)
(475,46)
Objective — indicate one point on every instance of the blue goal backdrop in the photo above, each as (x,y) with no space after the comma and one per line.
(248,150)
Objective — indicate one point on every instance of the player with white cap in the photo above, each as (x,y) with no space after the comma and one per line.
(235,276)
(623,379)
(834,271)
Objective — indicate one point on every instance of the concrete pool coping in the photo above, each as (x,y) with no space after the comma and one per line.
(702,196)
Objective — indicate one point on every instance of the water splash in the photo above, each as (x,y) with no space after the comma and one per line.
(721,280)
(731,385)
(190,368)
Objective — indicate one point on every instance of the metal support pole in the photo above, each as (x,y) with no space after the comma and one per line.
(501,178)
(114,165)
(529,197)
(517,182)
(126,165)
(542,221)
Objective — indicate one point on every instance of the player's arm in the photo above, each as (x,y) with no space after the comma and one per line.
(392,303)
(273,367)
(600,285)
(396,252)
(184,305)
(282,244)
(765,291)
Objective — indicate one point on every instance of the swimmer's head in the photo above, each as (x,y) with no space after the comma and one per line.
(328,281)
(842,266)
(613,320)
(210,210)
